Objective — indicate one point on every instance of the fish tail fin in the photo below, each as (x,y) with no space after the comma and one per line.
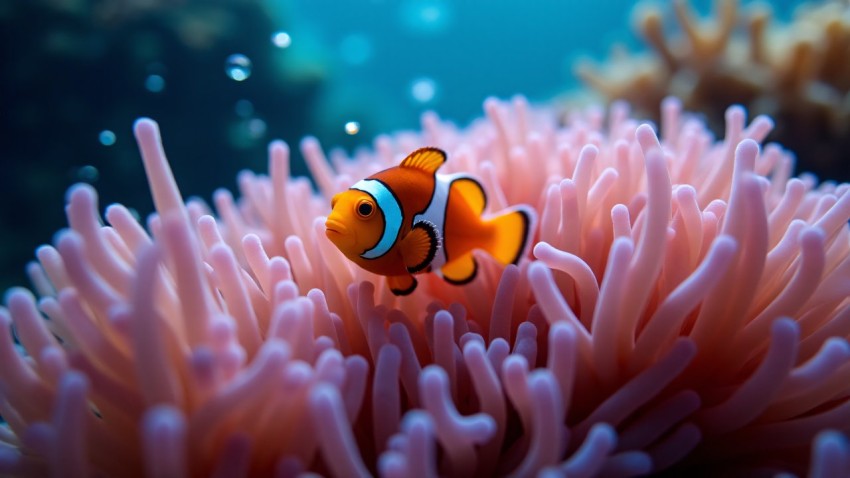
(512,234)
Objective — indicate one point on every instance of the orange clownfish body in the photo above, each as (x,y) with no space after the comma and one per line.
(409,219)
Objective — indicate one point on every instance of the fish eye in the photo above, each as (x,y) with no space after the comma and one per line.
(365,208)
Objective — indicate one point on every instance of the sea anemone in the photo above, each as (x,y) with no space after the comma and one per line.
(685,308)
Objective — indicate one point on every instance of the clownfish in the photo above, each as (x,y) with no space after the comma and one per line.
(408,220)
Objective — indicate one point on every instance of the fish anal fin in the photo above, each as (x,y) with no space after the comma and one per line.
(402,284)
(427,159)
(461,270)
(471,192)
(419,246)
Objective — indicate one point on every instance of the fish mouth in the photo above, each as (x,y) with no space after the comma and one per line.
(332,225)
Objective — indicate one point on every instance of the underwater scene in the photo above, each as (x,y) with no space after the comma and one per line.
(415,238)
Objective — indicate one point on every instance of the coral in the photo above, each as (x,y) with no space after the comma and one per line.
(798,73)
(686,308)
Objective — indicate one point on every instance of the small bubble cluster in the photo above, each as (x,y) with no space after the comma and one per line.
(238,67)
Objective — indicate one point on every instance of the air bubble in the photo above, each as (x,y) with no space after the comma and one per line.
(88,174)
(256,128)
(107,137)
(423,89)
(238,67)
(281,40)
(155,83)
(352,127)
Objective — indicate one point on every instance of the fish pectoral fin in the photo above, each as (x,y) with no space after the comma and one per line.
(419,246)
(402,285)
(461,270)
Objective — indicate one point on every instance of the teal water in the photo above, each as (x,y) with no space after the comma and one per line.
(224,78)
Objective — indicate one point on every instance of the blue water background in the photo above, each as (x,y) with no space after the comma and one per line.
(75,78)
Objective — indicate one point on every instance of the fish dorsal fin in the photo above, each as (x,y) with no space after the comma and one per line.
(426,159)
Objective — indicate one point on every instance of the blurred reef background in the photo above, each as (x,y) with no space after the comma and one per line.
(225,77)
